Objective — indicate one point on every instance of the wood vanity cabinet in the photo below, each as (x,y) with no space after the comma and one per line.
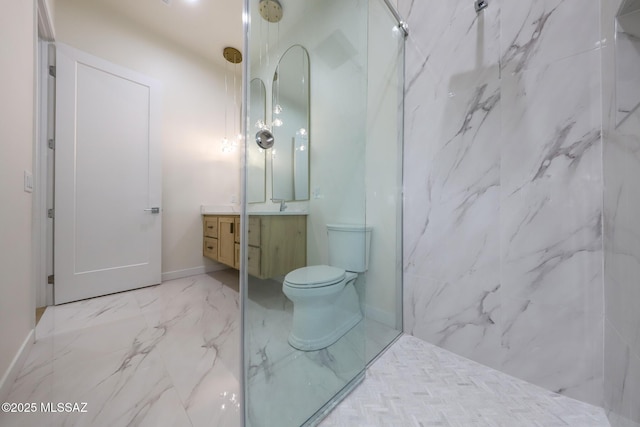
(277,244)
(210,241)
(226,240)
(236,262)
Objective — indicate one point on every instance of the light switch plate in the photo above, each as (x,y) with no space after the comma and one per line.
(28,182)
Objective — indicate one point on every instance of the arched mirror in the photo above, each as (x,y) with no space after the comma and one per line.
(290,112)
(256,157)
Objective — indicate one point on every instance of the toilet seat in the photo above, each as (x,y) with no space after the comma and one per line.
(316,276)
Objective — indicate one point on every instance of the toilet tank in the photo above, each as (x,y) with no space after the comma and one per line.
(349,246)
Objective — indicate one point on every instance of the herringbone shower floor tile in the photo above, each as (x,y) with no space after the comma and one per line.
(418,384)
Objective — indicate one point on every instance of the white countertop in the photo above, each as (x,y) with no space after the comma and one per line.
(235,210)
(277,213)
(220,209)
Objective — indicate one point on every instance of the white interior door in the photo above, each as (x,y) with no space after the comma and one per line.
(107,178)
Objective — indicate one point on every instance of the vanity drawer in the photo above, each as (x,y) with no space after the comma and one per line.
(253,236)
(253,261)
(210,248)
(236,260)
(226,240)
(211,226)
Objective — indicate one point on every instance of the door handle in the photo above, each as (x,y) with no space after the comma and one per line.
(153,210)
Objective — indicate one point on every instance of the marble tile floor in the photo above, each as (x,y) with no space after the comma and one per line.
(168,356)
(276,369)
(415,383)
(165,355)
(266,301)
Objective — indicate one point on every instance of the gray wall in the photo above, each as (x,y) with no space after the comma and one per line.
(621,93)
(503,187)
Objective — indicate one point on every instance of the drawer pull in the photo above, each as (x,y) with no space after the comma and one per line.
(210,226)
(210,248)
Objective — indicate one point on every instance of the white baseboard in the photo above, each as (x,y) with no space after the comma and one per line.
(16,365)
(179,274)
(384,317)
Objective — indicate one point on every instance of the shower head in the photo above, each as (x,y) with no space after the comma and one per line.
(481,5)
(270,10)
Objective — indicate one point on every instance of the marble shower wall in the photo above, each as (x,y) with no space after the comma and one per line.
(621,220)
(503,187)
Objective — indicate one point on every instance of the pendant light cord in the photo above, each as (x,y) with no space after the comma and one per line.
(235,104)
(226,99)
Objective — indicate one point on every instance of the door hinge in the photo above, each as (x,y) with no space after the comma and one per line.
(52,70)
(50,279)
(51,143)
(50,213)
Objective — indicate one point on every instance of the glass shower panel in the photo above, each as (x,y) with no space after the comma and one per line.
(383,304)
(304,339)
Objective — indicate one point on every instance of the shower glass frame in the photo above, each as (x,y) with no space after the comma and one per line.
(392,192)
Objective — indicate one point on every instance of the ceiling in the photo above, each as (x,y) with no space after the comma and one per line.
(205,27)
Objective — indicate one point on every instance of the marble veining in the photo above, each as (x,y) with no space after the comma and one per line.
(519,53)
(481,104)
(572,152)
(536,33)
(503,187)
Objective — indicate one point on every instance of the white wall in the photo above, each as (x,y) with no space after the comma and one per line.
(195,171)
(17,301)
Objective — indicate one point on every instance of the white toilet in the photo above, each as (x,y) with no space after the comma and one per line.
(325,302)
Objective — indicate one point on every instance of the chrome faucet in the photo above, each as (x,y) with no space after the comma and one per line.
(283,205)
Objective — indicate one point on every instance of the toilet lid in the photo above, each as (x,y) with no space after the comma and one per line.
(315,276)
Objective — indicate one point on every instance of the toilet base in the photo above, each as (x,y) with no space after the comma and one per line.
(321,320)
(327,340)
